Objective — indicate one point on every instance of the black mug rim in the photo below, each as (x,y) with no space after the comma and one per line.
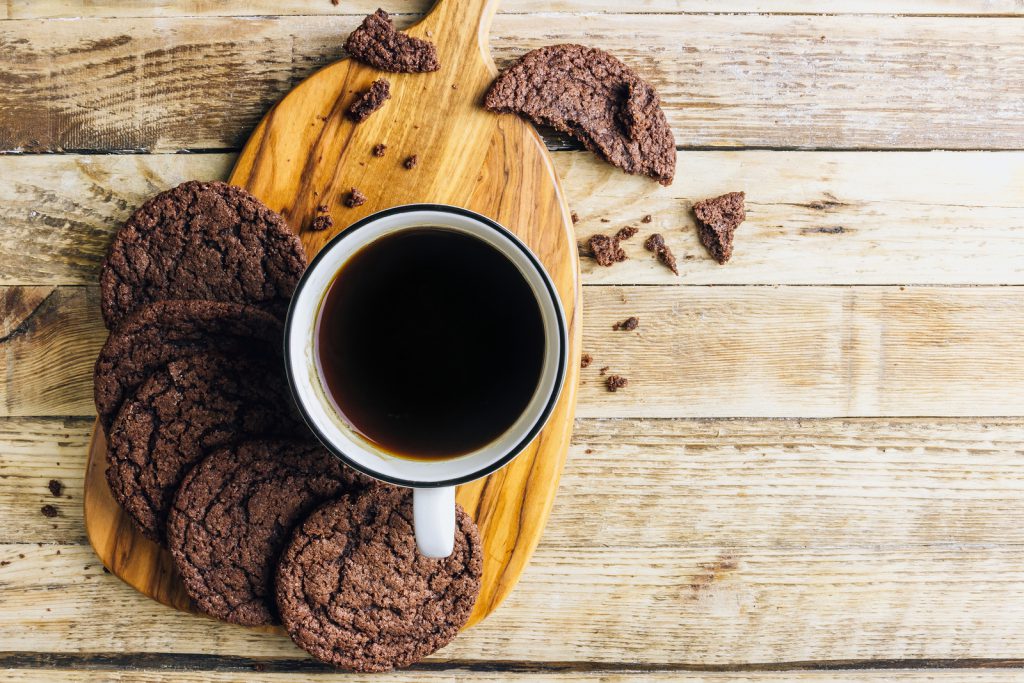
(542,418)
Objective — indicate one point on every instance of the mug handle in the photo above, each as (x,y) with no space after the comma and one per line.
(433,514)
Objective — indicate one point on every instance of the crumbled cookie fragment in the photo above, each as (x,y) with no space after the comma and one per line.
(629,324)
(595,98)
(606,250)
(380,150)
(604,370)
(647,219)
(717,220)
(322,221)
(370,100)
(585,360)
(56,487)
(656,244)
(410,162)
(626,232)
(49,511)
(615,382)
(377,43)
(575,217)
(354,198)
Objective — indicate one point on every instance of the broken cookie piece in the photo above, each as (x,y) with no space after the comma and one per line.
(615,382)
(370,100)
(354,198)
(626,232)
(585,360)
(322,222)
(606,250)
(656,244)
(717,220)
(595,98)
(410,162)
(380,150)
(629,324)
(378,44)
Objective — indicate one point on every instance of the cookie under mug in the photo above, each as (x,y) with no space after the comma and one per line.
(433,480)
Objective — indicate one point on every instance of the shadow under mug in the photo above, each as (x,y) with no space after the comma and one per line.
(433,481)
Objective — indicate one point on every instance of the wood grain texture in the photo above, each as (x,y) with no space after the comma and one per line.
(699,352)
(741,80)
(35,9)
(306,153)
(813,217)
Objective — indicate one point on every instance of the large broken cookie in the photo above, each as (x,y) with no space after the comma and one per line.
(377,43)
(595,98)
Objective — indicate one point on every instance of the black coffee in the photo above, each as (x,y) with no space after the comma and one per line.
(430,343)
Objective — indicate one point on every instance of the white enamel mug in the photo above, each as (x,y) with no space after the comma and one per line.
(433,481)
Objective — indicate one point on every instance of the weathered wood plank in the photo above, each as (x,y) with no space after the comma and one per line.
(814,217)
(32,9)
(699,352)
(494,673)
(742,80)
(748,483)
(713,606)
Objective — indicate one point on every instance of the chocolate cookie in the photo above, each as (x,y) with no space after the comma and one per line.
(377,43)
(595,98)
(184,411)
(354,591)
(717,220)
(201,241)
(232,516)
(167,330)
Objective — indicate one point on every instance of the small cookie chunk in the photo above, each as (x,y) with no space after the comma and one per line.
(322,221)
(370,100)
(615,382)
(377,43)
(354,198)
(629,324)
(167,330)
(606,250)
(184,411)
(626,232)
(717,220)
(647,219)
(232,517)
(656,243)
(595,98)
(380,150)
(201,240)
(585,360)
(410,162)
(354,591)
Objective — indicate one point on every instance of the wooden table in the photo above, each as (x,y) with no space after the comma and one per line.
(817,469)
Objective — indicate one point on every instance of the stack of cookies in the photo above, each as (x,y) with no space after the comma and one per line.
(208,455)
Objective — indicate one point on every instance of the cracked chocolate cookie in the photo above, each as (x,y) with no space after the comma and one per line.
(184,411)
(595,98)
(354,591)
(201,241)
(232,516)
(377,43)
(167,330)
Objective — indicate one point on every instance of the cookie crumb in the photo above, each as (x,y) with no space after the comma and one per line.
(603,370)
(56,487)
(647,219)
(4,563)
(322,222)
(626,232)
(370,100)
(354,198)
(380,150)
(656,244)
(455,86)
(589,451)
(585,360)
(410,162)
(606,220)
(616,382)
(377,43)
(575,217)
(48,511)
(629,324)
(606,250)
(717,220)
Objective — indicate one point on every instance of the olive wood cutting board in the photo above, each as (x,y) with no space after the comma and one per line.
(305,153)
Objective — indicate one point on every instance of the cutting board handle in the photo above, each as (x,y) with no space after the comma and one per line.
(459,28)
